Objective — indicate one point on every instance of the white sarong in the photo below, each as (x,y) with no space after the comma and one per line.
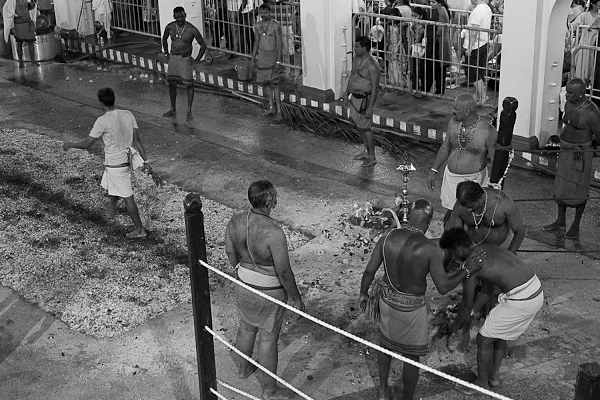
(116,179)
(514,312)
(451,180)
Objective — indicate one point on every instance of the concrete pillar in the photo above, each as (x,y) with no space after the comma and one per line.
(531,67)
(323,53)
(193,11)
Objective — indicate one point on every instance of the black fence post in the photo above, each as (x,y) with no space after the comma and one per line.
(587,385)
(505,134)
(196,242)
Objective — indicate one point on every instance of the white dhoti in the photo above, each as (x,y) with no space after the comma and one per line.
(116,179)
(514,312)
(451,180)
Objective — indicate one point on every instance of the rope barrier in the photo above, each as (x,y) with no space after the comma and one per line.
(348,335)
(553,199)
(559,251)
(219,395)
(236,390)
(245,357)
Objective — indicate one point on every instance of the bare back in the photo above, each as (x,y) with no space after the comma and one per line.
(503,269)
(264,235)
(470,157)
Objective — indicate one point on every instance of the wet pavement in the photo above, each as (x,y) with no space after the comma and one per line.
(228,145)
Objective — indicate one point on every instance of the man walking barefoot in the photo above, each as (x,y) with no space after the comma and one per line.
(182,34)
(257,248)
(407,257)
(118,130)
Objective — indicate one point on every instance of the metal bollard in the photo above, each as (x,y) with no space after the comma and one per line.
(505,134)
(587,385)
(196,242)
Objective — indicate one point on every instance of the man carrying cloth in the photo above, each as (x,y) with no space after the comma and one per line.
(266,55)
(574,168)
(182,34)
(520,299)
(118,130)
(361,95)
(407,257)
(466,149)
(256,246)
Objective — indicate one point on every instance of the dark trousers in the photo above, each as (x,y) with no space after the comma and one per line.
(436,70)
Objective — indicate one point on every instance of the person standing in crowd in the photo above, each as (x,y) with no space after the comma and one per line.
(267,54)
(581,131)
(118,130)
(233,16)
(247,18)
(416,34)
(257,248)
(182,34)
(407,257)
(15,14)
(476,48)
(440,50)
(585,59)
(361,94)
(521,298)
(466,149)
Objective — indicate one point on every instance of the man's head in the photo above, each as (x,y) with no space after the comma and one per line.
(575,90)
(264,11)
(421,211)
(457,242)
(106,97)
(464,106)
(362,45)
(469,194)
(179,14)
(594,4)
(262,194)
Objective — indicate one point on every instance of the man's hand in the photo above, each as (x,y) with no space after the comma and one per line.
(298,305)
(66,146)
(431,180)
(362,301)
(475,261)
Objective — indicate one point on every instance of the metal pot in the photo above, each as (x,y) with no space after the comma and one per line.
(47,46)
(244,71)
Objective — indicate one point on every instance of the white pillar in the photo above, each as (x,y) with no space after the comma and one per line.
(194,15)
(533,38)
(323,52)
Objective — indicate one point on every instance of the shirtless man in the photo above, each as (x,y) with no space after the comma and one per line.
(257,248)
(490,216)
(581,131)
(266,54)
(520,299)
(182,34)
(408,257)
(361,95)
(466,149)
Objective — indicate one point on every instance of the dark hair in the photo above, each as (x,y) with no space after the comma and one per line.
(421,11)
(106,97)
(455,238)
(468,192)
(264,6)
(260,192)
(178,9)
(444,4)
(592,4)
(364,42)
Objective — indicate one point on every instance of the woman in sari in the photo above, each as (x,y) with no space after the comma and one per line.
(586,24)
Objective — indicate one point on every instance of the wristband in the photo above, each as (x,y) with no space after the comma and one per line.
(463,266)
(435,171)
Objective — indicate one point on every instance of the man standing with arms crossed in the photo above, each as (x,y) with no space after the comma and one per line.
(257,248)
(467,147)
(118,130)
(476,48)
(182,34)
(407,257)
(361,95)
(581,130)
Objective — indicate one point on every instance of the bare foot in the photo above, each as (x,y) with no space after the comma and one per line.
(137,234)
(368,162)
(189,116)
(464,344)
(278,394)
(554,226)
(385,395)
(573,233)
(494,382)
(361,156)
(244,374)
(171,113)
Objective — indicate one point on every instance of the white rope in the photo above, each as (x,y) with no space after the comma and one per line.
(219,395)
(236,390)
(353,337)
(498,186)
(250,360)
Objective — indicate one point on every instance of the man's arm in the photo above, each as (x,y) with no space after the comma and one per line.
(256,42)
(440,159)
(202,44)
(473,37)
(165,42)
(374,73)
(595,126)
(279,252)
(515,223)
(456,220)
(370,270)
(138,145)
(483,298)
(466,305)
(84,144)
(490,142)
(232,253)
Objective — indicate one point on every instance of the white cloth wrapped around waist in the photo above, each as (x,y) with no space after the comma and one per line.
(257,279)
(529,290)
(128,157)
(451,181)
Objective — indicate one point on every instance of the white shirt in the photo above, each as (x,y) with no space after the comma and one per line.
(481,16)
(358,6)
(234,5)
(116,130)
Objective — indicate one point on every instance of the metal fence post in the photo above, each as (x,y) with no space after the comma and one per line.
(196,242)
(587,385)
(505,134)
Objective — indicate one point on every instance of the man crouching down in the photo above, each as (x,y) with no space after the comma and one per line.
(520,299)
(257,248)
(408,257)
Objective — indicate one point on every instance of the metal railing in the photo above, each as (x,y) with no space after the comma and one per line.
(136,16)
(418,56)
(586,57)
(232,31)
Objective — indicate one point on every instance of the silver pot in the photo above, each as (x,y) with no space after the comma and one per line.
(46,46)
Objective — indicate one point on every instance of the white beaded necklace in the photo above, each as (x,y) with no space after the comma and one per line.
(475,215)
(462,133)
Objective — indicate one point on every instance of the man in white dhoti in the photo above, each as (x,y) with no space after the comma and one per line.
(118,130)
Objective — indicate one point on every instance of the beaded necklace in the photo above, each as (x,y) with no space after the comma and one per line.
(475,215)
(572,113)
(466,132)
(178,34)
(413,229)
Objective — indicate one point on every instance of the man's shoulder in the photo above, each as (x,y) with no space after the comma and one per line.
(192,27)
(170,25)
